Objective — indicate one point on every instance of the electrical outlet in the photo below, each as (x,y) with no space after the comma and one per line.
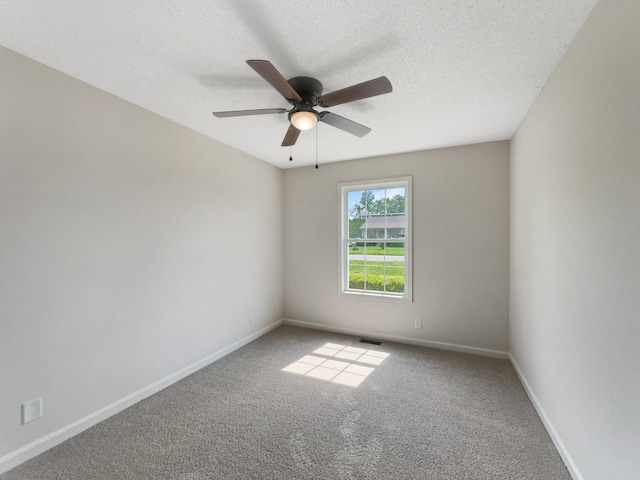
(31,410)
(417,322)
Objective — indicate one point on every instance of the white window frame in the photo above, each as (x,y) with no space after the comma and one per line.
(343,240)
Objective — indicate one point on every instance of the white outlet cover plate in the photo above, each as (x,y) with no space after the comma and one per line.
(31,410)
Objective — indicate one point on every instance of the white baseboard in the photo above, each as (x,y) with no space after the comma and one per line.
(43,444)
(553,433)
(400,339)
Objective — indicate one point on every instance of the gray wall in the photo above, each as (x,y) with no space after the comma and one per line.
(460,236)
(575,243)
(130,248)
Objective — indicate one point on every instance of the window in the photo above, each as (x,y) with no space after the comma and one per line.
(375,240)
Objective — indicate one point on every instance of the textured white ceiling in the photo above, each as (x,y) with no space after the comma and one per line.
(463,71)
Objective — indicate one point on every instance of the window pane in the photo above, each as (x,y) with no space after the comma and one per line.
(356,229)
(360,204)
(393,263)
(375,272)
(394,213)
(395,250)
(395,201)
(374,226)
(356,265)
(394,281)
(377,266)
(394,226)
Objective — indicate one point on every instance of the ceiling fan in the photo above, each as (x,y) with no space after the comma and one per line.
(305,93)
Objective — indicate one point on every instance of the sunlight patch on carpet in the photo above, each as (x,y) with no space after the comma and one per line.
(336,368)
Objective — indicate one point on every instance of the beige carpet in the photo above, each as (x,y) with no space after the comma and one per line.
(416,413)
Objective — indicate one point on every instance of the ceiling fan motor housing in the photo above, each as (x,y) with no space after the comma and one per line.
(308,88)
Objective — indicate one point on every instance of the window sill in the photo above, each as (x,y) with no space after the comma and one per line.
(378,296)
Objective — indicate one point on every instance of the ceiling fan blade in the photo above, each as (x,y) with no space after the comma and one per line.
(242,113)
(377,86)
(291,136)
(267,71)
(345,124)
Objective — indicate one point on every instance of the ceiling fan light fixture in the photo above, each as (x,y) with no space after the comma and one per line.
(304,119)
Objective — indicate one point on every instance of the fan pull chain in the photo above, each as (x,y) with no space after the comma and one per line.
(290,157)
(316,145)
